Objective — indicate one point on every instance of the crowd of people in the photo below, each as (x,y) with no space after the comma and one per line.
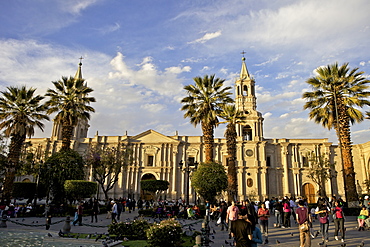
(241,219)
(15,210)
(246,221)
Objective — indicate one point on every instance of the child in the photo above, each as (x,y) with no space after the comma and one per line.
(313,213)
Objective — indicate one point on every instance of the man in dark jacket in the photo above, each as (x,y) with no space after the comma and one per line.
(241,230)
(223,214)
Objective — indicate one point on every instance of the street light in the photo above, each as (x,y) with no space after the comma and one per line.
(187,169)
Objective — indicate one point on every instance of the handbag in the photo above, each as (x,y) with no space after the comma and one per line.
(334,216)
(323,220)
(218,221)
(304,227)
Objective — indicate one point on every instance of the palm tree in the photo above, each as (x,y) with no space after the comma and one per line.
(71,102)
(20,112)
(203,104)
(337,91)
(231,116)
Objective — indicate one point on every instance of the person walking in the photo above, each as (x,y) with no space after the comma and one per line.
(304,222)
(79,213)
(232,215)
(241,230)
(119,210)
(95,211)
(338,221)
(263,215)
(323,214)
(279,214)
(223,215)
(287,212)
(114,211)
(366,202)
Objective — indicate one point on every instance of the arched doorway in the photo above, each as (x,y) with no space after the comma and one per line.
(309,193)
(145,195)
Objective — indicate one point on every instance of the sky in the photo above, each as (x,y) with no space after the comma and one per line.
(138,56)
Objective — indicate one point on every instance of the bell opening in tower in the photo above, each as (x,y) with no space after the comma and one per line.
(247,133)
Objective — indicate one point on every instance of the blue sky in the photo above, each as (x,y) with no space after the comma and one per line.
(138,55)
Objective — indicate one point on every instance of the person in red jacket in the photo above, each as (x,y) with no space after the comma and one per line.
(264,214)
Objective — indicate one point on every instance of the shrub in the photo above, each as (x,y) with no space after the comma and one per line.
(121,228)
(139,227)
(134,230)
(167,233)
(146,212)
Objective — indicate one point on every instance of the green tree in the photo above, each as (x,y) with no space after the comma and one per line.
(107,163)
(79,189)
(20,112)
(59,167)
(71,102)
(209,180)
(231,116)
(154,186)
(203,104)
(319,171)
(337,93)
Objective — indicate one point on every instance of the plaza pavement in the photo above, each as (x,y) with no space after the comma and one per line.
(29,232)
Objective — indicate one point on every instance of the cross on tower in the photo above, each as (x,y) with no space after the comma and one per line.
(81,60)
(243,52)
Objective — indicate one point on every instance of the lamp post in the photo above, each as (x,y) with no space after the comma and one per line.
(187,168)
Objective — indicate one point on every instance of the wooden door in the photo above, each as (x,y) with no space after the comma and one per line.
(309,193)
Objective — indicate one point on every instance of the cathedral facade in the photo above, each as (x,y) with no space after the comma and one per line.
(265,167)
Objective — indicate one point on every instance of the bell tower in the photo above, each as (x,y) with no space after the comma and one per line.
(245,101)
(82,126)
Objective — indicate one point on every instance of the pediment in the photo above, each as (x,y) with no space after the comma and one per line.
(151,136)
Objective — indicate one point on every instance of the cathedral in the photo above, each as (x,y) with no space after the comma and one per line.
(265,167)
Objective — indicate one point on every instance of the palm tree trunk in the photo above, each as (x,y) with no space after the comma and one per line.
(208,141)
(15,147)
(232,189)
(344,135)
(67,133)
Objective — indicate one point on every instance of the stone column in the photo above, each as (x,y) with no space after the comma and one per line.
(284,157)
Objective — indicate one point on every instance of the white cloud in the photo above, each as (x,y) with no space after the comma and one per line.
(285,115)
(205,68)
(110,28)
(282,76)
(293,83)
(164,83)
(153,107)
(224,71)
(206,37)
(178,70)
(267,115)
(270,61)
(76,6)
